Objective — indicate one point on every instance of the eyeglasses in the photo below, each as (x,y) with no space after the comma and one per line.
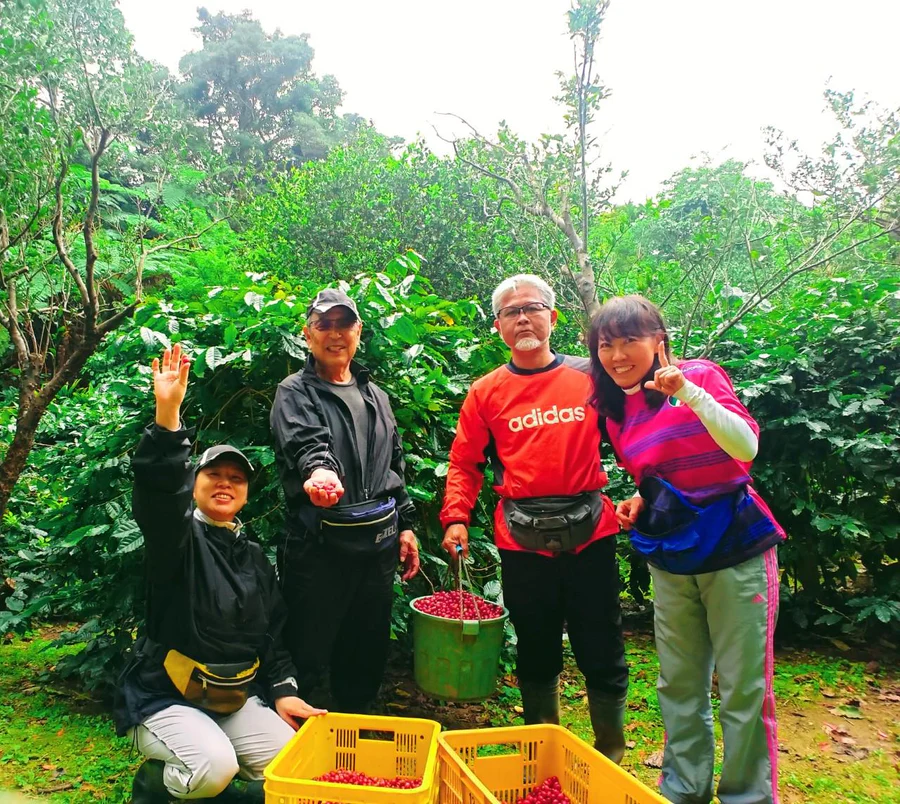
(327,324)
(530,309)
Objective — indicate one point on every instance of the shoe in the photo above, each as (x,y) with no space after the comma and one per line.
(608,721)
(148,786)
(540,700)
(242,793)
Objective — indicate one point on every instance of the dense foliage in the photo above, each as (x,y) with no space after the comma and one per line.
(797,295)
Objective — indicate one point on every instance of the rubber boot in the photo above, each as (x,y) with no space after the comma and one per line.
(540,700)
(148,786)
(608,721)
(243,793)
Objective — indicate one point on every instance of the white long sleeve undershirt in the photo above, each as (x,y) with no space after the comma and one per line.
(727,428)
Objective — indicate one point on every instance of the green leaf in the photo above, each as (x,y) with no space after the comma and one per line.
(213,357)
(87,532)
(404,330)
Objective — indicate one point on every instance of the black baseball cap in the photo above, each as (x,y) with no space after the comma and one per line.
(328,298)
(225,452)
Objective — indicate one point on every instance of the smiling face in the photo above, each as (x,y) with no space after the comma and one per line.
(220,490)
(524,332)
(333,337)
(628,359)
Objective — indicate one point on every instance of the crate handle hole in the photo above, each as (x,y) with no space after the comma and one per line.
(498,749)
(376,734)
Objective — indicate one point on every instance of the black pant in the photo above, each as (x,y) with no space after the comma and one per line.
(339,621)
(582,591)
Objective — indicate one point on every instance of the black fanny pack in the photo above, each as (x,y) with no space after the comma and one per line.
(361,528)
(557,524)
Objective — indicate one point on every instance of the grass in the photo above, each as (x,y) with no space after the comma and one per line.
(54,741)
(59,744)
(815,765)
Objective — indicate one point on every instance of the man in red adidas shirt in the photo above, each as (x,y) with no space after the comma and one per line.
(554,529)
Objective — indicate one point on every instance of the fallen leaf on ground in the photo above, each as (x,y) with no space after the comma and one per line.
(828,693)
(835,731)
(518,710)
(849,712)
(630,744)
(855,752)
(839,643)
(655,759)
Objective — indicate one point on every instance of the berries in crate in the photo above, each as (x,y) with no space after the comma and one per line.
(356,759)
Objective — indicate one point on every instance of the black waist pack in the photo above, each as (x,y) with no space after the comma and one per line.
(362,528)
(557,524)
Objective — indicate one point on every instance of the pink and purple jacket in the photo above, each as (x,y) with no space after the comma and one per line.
(673,444)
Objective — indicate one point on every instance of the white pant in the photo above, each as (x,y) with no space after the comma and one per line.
(203,753)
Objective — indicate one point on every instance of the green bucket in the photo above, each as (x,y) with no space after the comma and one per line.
(456,660)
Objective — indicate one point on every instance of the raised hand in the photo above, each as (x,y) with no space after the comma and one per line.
(170,378)
(668,378)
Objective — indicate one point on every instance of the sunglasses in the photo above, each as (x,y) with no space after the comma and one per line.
(327,324)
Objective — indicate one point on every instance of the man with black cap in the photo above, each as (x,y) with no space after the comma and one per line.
(194,695)
(349,517)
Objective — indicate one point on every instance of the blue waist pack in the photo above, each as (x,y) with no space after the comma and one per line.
(680,537)
(360,529)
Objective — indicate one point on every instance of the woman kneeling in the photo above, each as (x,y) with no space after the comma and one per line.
(194,695)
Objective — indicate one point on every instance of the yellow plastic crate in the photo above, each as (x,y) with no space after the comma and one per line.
(490,766)
(388,747)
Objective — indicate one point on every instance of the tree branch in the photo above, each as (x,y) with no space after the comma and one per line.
(92,308)
(59,239)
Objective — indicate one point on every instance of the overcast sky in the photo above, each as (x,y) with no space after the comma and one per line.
(687,76)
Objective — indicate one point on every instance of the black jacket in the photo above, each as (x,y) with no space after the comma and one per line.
(313,427)
(211,595)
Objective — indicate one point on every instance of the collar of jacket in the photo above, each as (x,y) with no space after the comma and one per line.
(358,370)
(235,526)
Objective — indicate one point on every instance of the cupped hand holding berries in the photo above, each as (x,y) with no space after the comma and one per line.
(324,487)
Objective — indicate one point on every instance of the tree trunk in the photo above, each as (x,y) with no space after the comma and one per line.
(34,400)
(17,455)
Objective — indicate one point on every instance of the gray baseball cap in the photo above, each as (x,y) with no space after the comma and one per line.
(225,452)
(328,298)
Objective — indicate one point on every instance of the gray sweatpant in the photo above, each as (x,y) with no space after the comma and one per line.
(203,753)
(726,620)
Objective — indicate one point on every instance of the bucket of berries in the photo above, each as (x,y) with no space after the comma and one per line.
(457,639)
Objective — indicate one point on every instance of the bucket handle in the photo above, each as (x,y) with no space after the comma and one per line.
(463,570)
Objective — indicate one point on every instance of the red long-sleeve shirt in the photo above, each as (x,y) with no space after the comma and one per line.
(541,436)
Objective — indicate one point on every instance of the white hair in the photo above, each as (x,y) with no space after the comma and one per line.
(515,282)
